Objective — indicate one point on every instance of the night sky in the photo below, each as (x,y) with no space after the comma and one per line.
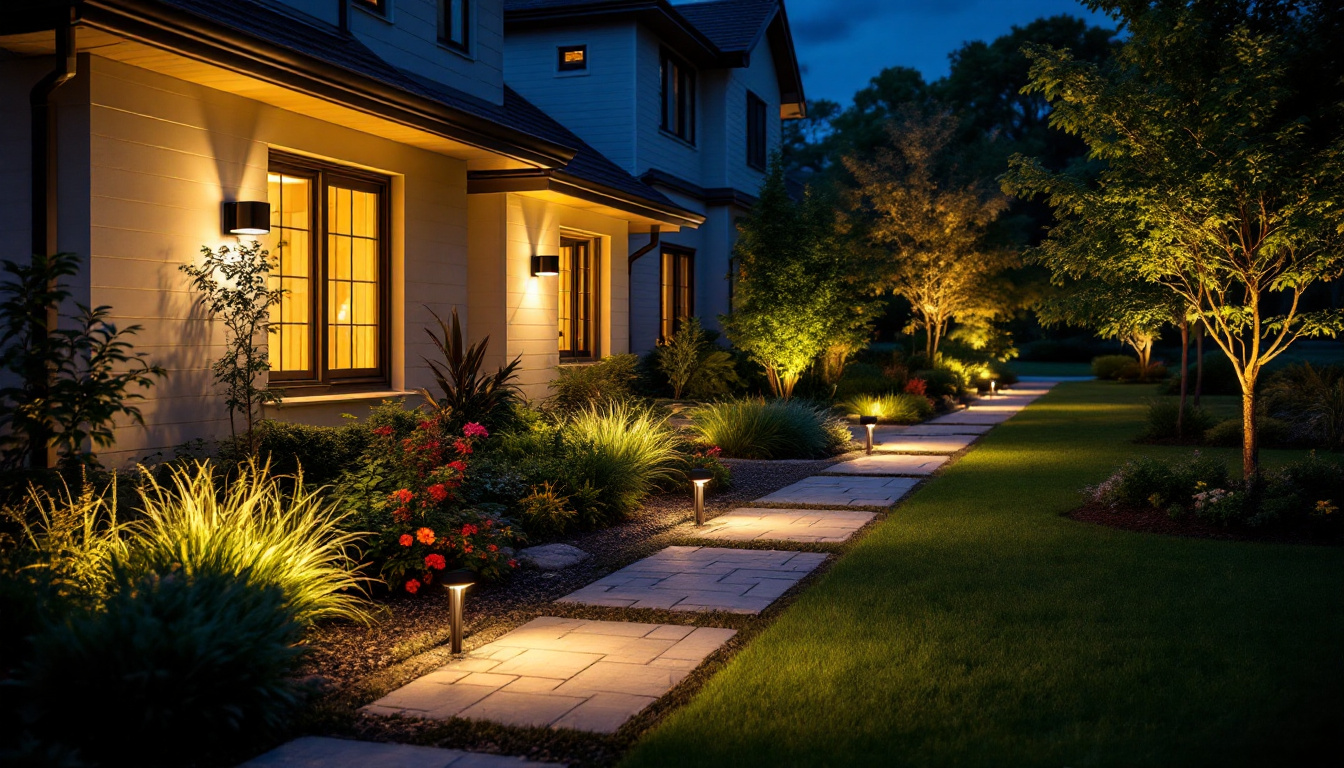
(843,43)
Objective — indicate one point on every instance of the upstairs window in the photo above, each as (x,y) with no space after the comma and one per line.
(455,23)
(756,132)
(678,91)
(377,6)
(678,289)
(572,58)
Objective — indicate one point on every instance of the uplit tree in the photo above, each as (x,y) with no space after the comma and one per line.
(931,219)
(1217,124)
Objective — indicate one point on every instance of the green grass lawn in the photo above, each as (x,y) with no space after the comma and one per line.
(978,627)
(1050,369)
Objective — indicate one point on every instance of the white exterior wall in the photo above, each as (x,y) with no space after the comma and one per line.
(760,79)
(164,155)
(597,104)
(654,147)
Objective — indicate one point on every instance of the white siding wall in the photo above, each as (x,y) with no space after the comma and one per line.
(165,154)
(598,105)
(656,148)
(408,37)
(760,79)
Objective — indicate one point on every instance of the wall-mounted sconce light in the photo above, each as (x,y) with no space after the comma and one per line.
(869,423)
(545,266)
(247,217)
(456,582)
(700,478)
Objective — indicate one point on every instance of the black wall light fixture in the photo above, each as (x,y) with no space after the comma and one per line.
(545,266)
(247,217)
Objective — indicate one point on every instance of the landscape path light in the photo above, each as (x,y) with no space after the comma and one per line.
(869,423)
(456,582)
(993,387)
(700,478)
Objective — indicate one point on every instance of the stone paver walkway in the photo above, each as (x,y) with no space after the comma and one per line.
(701,579)
(929,428)
(922,443)
(809,526)
(888,464)
(834,491)
(982,416)
(322,752)
(562,673)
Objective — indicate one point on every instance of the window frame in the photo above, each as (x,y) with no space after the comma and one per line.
(758,132)
(594,289)
(320,378)
(670,67)
(668,320)
(446,25)
(560,66)
(377,7)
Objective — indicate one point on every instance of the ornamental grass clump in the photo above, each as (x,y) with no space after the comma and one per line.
(891,409)
(621,452)
(268,536)
(769,429)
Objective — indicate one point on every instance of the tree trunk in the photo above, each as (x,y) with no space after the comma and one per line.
(1250,435)
(1199,362)
(1185,364)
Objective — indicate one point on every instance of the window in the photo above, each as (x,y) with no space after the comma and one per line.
(572,58)
(377,6)
(578,297)
(329,241)
(756,131)
(454,23)
(678,294)
(678,84)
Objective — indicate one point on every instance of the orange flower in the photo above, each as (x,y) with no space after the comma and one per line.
(425,536)
(406,540)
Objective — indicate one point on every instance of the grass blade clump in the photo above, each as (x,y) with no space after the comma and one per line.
(622,451)
(890,408)
(761,429)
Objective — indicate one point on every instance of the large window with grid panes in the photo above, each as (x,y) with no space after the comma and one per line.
(577,301)
(330,246)
(678,289)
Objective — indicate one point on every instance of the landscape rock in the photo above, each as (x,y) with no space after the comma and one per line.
(552,557)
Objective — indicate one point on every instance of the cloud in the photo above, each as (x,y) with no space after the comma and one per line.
(827,21)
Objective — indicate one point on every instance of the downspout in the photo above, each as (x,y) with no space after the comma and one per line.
(630,270)
(44,201)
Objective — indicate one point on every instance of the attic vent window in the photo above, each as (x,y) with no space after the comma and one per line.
(572,58)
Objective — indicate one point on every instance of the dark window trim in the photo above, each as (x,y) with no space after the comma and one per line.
(562,66)
(446,23)
(595,314)
(687,129)
(318,379)
(758,132)
(372,6)
(675,251)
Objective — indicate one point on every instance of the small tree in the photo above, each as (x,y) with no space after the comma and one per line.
(679,357)
(933,221)
(1223,172)
(71,383)
(236,284)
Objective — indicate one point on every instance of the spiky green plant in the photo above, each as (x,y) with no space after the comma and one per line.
(471,394)
(623,451)
(289,538)
(889,408)
(765,429)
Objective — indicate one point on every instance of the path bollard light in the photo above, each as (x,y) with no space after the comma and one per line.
(993,387)
(869,422)
(700,478)
(456,582)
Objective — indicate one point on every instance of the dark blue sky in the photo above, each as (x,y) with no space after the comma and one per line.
(843,43)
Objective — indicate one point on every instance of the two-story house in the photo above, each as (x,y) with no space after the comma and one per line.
(686,97)
(372,145)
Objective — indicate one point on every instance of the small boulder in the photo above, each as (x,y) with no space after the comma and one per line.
(552,557)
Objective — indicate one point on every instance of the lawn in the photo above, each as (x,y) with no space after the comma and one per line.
(1050,369)
(978,627)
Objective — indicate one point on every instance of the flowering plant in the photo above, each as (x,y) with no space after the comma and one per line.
(916,386)
(707,457)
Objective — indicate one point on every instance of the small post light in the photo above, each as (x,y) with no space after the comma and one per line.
(456,582)
(700,478)
(247,217)
(993,387)
(546,266)
(869,423)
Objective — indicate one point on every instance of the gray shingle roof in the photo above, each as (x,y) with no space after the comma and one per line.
(733,25)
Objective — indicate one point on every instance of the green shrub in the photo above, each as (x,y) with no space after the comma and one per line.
(1149,482)
(1109,367)
(1162,415)
(705,458)
(469,394)
(761,429)
(545,512)
(941,383)
(620,452)
(1133,372)
(1310,400)
(322,452)
(172,667)
(1220,378)
(891,409)
(252,528)
(1308,491)
(1229,434)
(577,387)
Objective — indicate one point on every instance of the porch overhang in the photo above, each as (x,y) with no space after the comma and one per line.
(582,193)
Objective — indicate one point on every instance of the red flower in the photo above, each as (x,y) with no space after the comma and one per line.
(406,539)
(916,386)
(492,548)
(513,563)
(436,562)
(402,496)
(462,446)
(412,586)
(458,465)
(489,522)
(469,529)
(437,492)
(383,431)
(466,549)
(715,451)
(425,535)
(401,515)
(472,429)
(425,425)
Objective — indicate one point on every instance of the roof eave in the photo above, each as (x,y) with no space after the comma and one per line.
(565,183)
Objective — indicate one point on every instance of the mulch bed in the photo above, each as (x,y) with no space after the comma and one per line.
(1149,520)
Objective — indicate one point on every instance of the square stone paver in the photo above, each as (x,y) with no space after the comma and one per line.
(802,525)
(323,752)
(888,464)
(835,491)
(701,579)
(905,443)
(982,416)
(929,428)
(563,673)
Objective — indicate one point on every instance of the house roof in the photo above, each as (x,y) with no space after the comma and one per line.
(733,25)
(339,61)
